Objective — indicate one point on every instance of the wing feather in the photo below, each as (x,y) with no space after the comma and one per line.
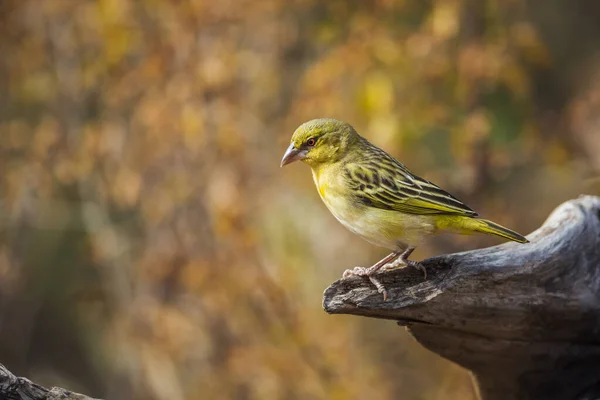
(381,181)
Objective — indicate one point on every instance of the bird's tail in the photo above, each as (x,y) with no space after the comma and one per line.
(492,228)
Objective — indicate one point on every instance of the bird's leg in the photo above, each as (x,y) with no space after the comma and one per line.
(368,272)
(403,260)
(391,261)
(362,271)
(400,261)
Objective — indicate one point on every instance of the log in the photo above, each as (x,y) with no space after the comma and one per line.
(523,318)
(16,388)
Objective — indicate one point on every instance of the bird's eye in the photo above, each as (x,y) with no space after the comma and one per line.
(311,142)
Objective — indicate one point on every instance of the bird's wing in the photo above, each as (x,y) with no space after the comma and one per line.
(387,184)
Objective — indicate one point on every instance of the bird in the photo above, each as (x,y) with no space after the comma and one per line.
(376,197)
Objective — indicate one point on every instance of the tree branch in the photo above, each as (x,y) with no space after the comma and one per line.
(16,388)
(525,319)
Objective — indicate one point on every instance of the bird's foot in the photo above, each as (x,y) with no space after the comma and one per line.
(356,271)
(418,266)
(368,272)
(361,271)
(398,263)
(380,288)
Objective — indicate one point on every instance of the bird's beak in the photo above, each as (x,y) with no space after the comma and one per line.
(292,154)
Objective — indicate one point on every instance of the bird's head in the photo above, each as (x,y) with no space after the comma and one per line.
(320,141)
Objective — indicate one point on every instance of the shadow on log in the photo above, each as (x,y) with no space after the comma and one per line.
(524,319)
(16,388)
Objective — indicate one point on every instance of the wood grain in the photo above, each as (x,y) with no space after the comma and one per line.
(16,388)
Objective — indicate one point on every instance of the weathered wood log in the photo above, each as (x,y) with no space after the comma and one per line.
(523,318)
(16,388)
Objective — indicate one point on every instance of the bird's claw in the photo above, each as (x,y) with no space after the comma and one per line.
(380,288)
(418,266)
(368,272)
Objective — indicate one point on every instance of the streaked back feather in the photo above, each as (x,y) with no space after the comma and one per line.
(379,180)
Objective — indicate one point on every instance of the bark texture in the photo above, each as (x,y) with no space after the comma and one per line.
(15,388)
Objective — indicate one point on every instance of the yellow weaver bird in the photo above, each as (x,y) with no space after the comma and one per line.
(377,197)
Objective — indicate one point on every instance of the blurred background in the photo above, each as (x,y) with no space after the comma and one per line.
(152,248)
